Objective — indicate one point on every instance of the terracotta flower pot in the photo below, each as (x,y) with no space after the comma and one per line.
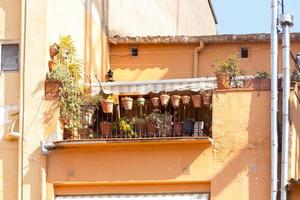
(84,133)
(258,84)
(105,127)
(151,129)
(155,101)
(70,134)
(107,106)
(206,98)
(53,50)
(223,80)
(52,89)
(141,101)
(186,99)
(127,103)
(164,98)
(178,128)
(197,100)
(51,65)
(175,99)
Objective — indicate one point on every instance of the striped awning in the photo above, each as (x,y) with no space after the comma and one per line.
(202,196)
(156,86)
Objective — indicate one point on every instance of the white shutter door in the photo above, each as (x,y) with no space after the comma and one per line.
(202,196)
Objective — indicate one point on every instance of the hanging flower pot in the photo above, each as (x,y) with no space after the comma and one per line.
(51,65)
(223,80)
(141,101)
(164,98)
(105,127)
(175,99)
(107,105)
(53,50)
(186,99)
(196,100)
(206,98)
(155,101)
(127,103)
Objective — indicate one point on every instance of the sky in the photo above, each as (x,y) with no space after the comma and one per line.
(250,16)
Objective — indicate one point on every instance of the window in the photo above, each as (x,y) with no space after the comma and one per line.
(134,51)
(9,57)
(244,53)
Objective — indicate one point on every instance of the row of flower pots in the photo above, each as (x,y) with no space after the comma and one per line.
(163,99)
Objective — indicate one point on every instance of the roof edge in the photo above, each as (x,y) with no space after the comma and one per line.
(213,11)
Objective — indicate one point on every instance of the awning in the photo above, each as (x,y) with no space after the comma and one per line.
(156,86)
(203,196)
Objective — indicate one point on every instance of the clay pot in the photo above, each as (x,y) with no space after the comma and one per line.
(52,89)
(206,98)
(258,84)
(51,65)
(155,101)
(151,129)
(196,100)
(141,101)
(177,128)
(223,81)
(53,50)
(186,99)
(175,99)
(127,103)
(71,134)
(84,133)
(107,106)
(105,127)
(164,98)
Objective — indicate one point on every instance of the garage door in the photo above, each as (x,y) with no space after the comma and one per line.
(139,196)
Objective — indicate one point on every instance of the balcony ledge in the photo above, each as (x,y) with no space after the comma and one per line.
(131,141)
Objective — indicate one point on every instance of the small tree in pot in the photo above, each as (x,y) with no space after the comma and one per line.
(226,71)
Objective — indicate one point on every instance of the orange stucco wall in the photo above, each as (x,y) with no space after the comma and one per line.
(10,25)
(171,61)
(235,166)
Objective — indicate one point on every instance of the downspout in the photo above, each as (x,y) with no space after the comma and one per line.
(286,21)
(22,99)
(274,99)
(196,57)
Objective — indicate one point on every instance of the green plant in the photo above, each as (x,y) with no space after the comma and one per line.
(262,75)
(161,121)
(127,127)
(92,99)
(229,66)
(68,73)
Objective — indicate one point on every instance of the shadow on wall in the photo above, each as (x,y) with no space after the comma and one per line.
(242,147)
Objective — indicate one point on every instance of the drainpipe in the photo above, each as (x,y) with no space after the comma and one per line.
(196,57)
(286,21)
(274,99)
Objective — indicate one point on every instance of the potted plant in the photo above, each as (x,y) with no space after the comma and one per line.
(155,101)
(175,99)
(106,128)
(207,97)
(140,125)
(151,122)
(127,127)
(53,50)
(197,100)
(177,128)
(164,98)
(186,99)
(108,104)
(127,103)
(261,81)
(141,101)
(226,71)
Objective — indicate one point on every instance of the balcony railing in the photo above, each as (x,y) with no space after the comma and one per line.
(147,121)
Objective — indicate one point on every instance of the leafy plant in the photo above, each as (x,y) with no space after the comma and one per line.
(229,66)
(127,127)
(262,75)
(161,121)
